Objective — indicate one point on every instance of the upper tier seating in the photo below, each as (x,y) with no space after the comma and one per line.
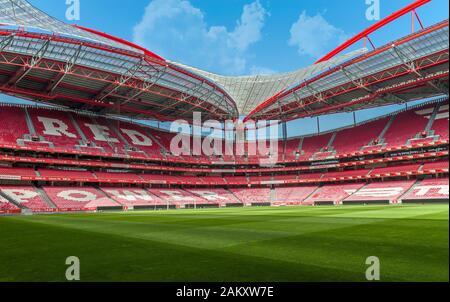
(27,196)
(440,125)
(73,198)
(429,189)
(132,196)
(407,125)
(383,191)
(314,144)
(100,133)
(252,195)
(72,132)
(333,193)
(56,127)
(293,195)
(14,125)
(137,138)
(353,139)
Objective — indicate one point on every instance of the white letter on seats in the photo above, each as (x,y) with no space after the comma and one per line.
(178,196)
(101,133)
(55,127)
(211,196)
(19,195)
(131,195)
(80,196)
(138,138)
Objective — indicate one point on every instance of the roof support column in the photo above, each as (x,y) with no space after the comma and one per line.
(318,125)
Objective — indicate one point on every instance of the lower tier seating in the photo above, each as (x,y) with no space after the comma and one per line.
(73,198)
(334,193)
(293,195)
(26,196)
(429,189)
(133,197)
(252,195)
(89,198)
(381,192)
(6,206)
(216,196)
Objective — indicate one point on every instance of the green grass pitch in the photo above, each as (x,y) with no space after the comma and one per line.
(246,244)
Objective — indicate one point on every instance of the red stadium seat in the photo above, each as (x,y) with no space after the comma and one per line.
(252,195)
(6,206)
(292,195)
(407,125)
(27,196)
(333,193)
(178,197)
(353,139)
(429,189)
(73,198)
(132,196)
(14,125)
(381,192)
(216,196)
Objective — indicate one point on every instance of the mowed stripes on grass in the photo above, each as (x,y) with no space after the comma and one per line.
(246,244)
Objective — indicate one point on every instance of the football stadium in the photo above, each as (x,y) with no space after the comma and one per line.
(87,172)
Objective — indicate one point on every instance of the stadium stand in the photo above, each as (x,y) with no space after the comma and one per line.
(26,196)
(403,128)
(397,170)
(384,192)
(14,126)
(66,175)
(132,197)
(436,167)
(178,197)
(78,199)
(42,131)
(92,148)
(216,196)
(333,193)
(73,132)
(55,126)
(355,138)
(292,195)
(252,195)
(16,173)
(428,190)
(314,144)
(440,125)
(6,206)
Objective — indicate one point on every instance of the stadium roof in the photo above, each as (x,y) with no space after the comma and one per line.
(411,68)
(44,59)
(249,91)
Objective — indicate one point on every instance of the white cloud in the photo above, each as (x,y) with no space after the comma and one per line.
(177,30)
(315,36)
(261,70)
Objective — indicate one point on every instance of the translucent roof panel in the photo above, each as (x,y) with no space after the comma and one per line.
(250,91)
(20,13)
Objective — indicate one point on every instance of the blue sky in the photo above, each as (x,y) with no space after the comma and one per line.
(241,36)
(237,37)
